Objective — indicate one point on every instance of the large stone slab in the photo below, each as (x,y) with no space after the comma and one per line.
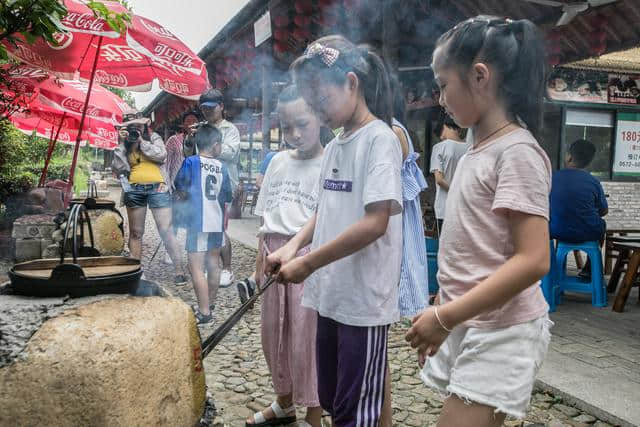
(121,361)
(33,227)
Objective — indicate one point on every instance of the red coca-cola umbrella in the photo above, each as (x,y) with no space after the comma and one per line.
(64,95)
(92,50)
(145,52)
(62,126)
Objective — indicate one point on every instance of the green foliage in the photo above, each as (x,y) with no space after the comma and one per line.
(31,18)
(124,94)
(42,18)
(22,159)
(117,21)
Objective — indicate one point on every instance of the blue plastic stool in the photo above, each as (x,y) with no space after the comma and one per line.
(549,285)
(574,284)
(432,264)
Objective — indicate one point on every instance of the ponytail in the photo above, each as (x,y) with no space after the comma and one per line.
(332,57)
(515,49)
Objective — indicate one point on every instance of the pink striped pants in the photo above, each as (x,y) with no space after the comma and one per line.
(289,337)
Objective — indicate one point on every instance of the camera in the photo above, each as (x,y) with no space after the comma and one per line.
(133,134)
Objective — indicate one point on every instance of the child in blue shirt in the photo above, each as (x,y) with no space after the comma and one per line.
(205,183)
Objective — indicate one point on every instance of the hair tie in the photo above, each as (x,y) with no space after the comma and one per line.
(328,55)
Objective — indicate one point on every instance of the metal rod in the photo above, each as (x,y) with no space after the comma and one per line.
(67,197)
(52,146)
(217,335)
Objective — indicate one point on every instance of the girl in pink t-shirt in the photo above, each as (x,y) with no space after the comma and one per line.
(485,341)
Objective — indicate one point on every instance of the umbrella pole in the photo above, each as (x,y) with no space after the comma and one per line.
(52,146)
(67,196)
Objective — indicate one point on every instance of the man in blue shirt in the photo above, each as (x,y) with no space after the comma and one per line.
(578,202)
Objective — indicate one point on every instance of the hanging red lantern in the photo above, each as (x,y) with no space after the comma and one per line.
(303,6)
(301,34)
(554,60)
(302,21)
(598,49)
(281,34)
(281,21)
(598,21)
(554,49)
(280,47)
(597,37)
(553,36)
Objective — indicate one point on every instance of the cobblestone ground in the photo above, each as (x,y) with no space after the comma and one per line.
(239,382)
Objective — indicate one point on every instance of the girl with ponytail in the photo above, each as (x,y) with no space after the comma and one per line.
(352,272)
(485,341)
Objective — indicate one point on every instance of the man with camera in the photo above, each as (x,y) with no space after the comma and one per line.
(139,162)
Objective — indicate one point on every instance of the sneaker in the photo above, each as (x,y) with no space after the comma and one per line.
(246,289)
(226,278)
(180,279)
(203,318)
(167,259)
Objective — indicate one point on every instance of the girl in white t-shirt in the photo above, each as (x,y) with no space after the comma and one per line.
(286,202)
(488,337)
(352,272)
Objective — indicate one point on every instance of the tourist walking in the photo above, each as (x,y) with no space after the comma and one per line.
(483,345)
(203,181)
(445,156)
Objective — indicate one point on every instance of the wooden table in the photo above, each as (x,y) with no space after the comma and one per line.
(632,250)
(611,235)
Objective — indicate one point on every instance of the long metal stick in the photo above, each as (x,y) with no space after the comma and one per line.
(219,334)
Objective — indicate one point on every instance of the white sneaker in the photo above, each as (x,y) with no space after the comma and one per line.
(226,278)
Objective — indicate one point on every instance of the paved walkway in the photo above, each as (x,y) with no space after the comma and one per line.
(594,359)
(593,362)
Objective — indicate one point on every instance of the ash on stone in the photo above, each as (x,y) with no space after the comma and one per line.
(210,412)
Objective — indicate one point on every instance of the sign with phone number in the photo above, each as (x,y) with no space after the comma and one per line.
(627,152)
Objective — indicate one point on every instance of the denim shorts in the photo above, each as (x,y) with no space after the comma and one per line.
(143,194)
(203,242)
(493,367)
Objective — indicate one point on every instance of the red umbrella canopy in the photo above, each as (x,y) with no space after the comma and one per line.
(146,52)
(46,121)
(65,95)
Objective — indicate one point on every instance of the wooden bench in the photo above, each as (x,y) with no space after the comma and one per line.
(629,254)
(609,255)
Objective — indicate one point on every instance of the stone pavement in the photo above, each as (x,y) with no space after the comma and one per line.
(238,378)
(594,357)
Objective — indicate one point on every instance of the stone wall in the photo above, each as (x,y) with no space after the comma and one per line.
(624,204)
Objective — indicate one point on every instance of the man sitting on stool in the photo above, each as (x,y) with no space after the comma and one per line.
(578,202)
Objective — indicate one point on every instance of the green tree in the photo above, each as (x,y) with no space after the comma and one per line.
(124,94)
(41,18)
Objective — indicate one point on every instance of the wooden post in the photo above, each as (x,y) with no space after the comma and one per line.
(266,111)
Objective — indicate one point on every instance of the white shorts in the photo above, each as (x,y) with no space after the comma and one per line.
(493,367)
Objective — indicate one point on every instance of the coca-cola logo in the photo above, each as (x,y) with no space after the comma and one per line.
(63,136)
(31,57)
(63,41)
(182,59)
(158,30)
(28,73)
(107,134)
(83,21)
(174,87)
(119,80)
(72,104)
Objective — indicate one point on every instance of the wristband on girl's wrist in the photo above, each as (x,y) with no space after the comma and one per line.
(435,307)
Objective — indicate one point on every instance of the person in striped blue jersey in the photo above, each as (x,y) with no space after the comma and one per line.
(204,181)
